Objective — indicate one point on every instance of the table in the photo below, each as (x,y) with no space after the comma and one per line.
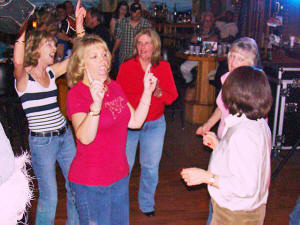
(200,110)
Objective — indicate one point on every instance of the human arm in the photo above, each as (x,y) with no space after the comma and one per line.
(215,117)
(139,115)
(112,26)
(197,176)
(19,70)
(86,125)
(60,68)
(116,46)
(165,85)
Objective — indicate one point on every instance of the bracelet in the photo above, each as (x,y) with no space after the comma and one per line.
(78,33)
(212,180)
(21,42)
(91,113)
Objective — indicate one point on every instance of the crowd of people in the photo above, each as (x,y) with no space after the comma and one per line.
(109,118)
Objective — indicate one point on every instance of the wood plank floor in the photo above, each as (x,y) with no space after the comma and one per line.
(177,204)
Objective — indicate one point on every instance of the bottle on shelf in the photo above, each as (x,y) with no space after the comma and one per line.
(175,14)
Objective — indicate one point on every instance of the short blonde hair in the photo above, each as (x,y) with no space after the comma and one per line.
(248,48)
(156,43)
(76,65)
(33,43)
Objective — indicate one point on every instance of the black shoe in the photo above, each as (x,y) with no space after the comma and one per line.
(149,214)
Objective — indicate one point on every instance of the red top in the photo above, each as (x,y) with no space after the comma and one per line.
(131,76)
(103,161)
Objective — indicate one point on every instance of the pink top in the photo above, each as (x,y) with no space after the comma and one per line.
(221,106)
(104,161)
(243,163)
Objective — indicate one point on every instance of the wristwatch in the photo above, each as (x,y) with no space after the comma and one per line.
(91,113)
(212,180)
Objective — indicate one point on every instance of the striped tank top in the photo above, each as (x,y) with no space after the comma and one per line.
(40,105)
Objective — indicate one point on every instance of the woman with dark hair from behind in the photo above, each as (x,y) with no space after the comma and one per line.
(238,174)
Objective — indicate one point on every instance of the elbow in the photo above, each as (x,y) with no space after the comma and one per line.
(85,140)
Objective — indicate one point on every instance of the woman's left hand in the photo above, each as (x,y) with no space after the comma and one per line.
(194,176)
(150,82)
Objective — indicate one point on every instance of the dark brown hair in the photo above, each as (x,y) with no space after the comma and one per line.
(247,91)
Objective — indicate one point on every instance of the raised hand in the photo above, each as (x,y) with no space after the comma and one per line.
(80,14)
(150,82)
(97,89)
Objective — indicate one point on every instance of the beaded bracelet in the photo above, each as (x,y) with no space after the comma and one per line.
(21,42)
(78,33)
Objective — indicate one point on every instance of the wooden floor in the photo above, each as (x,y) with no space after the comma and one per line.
(177,204)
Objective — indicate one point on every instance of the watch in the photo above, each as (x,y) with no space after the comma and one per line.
(91,113)
(212,180)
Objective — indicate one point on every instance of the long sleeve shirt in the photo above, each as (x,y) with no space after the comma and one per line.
(242,162)
(131,76)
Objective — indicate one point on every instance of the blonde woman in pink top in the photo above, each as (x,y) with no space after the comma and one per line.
(243,52)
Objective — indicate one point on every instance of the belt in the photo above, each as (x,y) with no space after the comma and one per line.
(58,132)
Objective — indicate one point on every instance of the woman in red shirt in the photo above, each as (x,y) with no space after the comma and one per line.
(146,57)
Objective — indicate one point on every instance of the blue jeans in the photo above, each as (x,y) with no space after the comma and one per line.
(295,215)
(151,137)
(103,205)
(44,153)
(209,213)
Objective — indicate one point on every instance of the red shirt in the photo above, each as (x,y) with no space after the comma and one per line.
(103,161)
(131,76)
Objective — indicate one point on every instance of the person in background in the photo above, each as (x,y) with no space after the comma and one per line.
(70,16)
(15,183)
(100,114)
(94,25)
(64,40)
(50,138)
(208,32)
(146,58)
(239,171)
(126,30)
(227,27)
(243,52)
(122,11)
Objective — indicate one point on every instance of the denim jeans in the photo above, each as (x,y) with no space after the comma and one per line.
(102,205)
(295,215)
(151,137)
(45,151)
(209,213)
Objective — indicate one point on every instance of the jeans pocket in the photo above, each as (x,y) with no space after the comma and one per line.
(39,141)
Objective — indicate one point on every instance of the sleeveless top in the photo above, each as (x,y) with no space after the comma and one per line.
(40,105)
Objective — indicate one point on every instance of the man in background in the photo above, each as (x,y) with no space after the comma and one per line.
(126,30)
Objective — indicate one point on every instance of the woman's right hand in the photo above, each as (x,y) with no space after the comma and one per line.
(97,90)
(202,129)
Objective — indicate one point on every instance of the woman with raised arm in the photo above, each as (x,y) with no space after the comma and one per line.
(50,138)
(100,114)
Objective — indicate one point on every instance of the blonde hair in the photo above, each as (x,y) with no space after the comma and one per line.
(156,44)
(76,65)
(33,43)
(248,48)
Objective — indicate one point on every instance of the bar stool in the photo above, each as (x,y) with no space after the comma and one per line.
(11,113)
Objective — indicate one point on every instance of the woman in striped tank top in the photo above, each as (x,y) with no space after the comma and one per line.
(50,139)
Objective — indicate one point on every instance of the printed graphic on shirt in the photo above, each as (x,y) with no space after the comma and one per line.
(115,106)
